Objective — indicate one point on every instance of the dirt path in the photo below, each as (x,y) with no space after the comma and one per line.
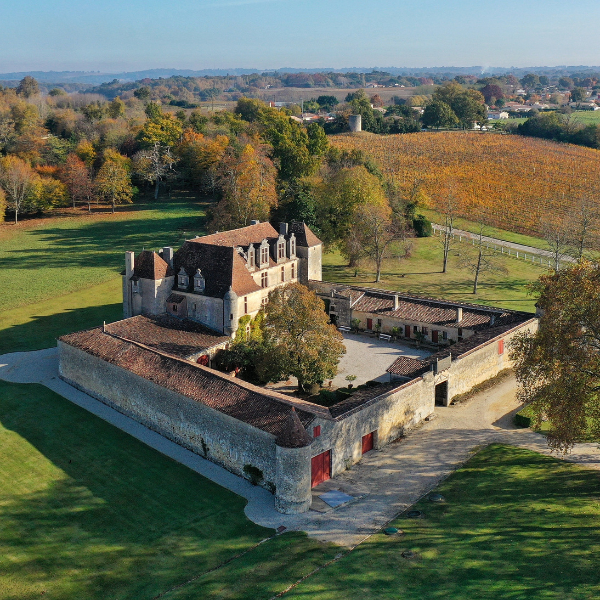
(383,484)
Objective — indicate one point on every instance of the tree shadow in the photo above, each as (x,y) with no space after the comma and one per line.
(98,513)
(42,331)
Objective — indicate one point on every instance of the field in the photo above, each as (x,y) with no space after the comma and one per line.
(514,525)
(510,181)
(421,274)
(587,117)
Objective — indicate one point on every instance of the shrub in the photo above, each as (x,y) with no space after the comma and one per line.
(422,226)
(523,417)
(254,474)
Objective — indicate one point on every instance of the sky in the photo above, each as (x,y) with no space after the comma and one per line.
(127,35)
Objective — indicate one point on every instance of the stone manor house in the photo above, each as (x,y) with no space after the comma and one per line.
(181,307)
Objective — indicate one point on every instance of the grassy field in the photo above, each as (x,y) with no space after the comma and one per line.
(421,274)
(515,525)
(587,117)
(62,255)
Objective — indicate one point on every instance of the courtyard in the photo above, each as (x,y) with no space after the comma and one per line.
(368,358)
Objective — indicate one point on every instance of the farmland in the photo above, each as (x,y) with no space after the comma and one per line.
(511,182)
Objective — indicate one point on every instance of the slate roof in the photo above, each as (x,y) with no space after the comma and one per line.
(221,266)
(304,236)
(149,265)
(167,334)
(264,409)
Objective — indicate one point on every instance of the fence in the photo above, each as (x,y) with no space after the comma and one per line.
(533,255)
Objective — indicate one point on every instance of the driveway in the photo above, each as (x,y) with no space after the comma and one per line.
(383,484)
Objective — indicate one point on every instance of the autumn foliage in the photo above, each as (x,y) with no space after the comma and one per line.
(517,181)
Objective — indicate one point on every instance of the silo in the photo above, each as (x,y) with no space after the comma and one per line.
(355,122)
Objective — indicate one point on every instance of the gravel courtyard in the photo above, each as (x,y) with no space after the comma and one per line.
(368,357)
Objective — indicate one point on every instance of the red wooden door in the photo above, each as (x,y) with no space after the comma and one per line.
(434,336)
(369,324)
(367,442)
(407,331)
(320,468)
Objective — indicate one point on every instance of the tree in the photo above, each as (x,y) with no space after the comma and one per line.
(565,83)
(578,94)
(558,367)
(28,87)
(154,165)
(17,179)
(531,80)
(247,181)
(449,207)
(116,108)
(492,93)
(583,223)
(439,114)
(76,176)
(162,128)
(113,182)
(327,102)
(376,230)
(557,234)
(483,259)
(142,93)
(301,340)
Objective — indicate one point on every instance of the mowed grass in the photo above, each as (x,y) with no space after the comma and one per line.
(62,255)
(421,274)
(87,511)
(587,117)
(515,525)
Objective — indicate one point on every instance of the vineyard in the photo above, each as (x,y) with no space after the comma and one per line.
(510,182)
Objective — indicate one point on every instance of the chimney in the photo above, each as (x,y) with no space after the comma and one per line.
(283,228)
(129,264)
(396,303)
(458,314)
(167,254)
(492,320)
(254,222)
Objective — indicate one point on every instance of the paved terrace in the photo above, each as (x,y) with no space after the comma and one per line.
(384,483)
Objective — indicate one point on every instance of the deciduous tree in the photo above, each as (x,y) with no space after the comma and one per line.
(558,367)
(301,340)
(17,179)
(113,182)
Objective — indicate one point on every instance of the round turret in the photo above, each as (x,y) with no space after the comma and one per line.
(230,312)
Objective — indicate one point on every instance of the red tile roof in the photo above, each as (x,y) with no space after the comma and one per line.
(264,409)
(167,334)
(253,234)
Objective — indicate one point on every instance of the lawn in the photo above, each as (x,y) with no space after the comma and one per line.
(587,117)
(515,525)
(87,511)
(62,255)
(421,274)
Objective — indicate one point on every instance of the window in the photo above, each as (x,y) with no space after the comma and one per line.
(248,330)
(292,246)
(264,255)
(199,282)
(379,323)
(245,305)
(500,346)
(182,278)
(444,335)
(425,331)
(135,286)
(415,329)
(316,431)
(281,249)
(251,256)
(282,274)
(264,279)
(293,270)
(174,307)
(264,302)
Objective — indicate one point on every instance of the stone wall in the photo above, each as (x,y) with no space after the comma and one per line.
(390,416)
(207,432)
(482,363)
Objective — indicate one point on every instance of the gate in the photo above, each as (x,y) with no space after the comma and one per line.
(320,468)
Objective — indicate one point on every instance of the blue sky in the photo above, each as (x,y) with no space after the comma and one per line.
(110,35)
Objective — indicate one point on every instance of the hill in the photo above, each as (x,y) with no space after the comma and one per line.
(516,182)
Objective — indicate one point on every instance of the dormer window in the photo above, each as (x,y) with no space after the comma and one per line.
(292,246)
(199,282)
(135,286)
(251,256)
(264,254)
(183,281)
(281,248)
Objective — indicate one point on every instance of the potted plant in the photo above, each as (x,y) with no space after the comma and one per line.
(350,379)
